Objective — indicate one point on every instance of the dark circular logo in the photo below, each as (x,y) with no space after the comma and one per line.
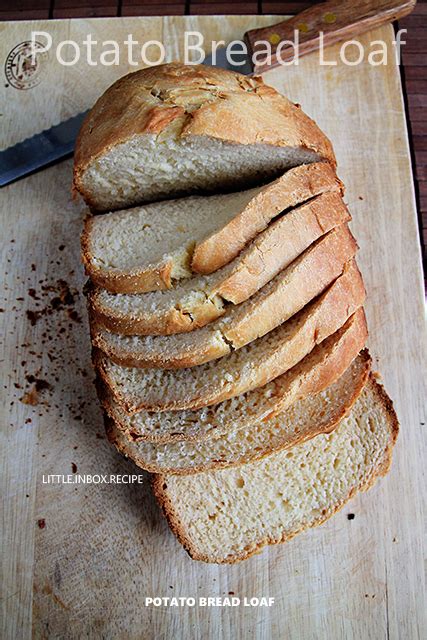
(25,65)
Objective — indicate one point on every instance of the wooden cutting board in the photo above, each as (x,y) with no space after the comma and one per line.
(79,560)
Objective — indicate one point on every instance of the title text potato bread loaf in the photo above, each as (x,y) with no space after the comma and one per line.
(151,247)
(174,129)
(301,421)
(321,368)
(230,514)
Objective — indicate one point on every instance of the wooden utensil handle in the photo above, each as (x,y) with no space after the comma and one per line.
(338,20)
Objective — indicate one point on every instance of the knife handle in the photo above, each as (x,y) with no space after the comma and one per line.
(338,20)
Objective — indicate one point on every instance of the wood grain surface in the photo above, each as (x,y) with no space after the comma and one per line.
(79,560)
(335,20)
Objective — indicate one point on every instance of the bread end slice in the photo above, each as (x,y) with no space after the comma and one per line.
(228,515)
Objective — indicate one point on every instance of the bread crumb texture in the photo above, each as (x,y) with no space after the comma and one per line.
(226,515)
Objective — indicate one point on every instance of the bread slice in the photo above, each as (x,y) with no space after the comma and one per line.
(248,368)
(296,186)
(198,300)
(300,422)
(174,129)
(229,514)
(321,368)
(152,247)
(286,295)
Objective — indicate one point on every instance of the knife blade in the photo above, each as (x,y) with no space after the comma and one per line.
(57,143)
(239,61)
(41,150)
(337,19)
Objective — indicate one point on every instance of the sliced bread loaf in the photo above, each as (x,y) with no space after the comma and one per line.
(284,298)
(302,421)
(151,247)
(248,368)
(322,367)
(195,301)
(174,129)
(229,514)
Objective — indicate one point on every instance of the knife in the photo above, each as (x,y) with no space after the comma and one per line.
(338,20)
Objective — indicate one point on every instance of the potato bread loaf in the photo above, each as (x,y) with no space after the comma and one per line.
(226,307)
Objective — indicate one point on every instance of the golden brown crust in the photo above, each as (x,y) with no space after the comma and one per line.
(159,485)
(284,241)
(334,364)
(294,187)
(203,101)
(267,117)
(168,322)
(126,446)
(262,317)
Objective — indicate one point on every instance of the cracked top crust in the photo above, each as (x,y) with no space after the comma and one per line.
(194,100)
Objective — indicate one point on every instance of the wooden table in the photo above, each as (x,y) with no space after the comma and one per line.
(78,560)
